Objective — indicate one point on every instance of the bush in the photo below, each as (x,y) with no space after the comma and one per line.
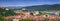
(27,20)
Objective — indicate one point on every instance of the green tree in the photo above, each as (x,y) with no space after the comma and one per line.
(5,12)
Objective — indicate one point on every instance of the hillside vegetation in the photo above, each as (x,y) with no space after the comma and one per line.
(44,7)
(4,12)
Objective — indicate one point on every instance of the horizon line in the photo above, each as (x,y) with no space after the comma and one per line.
(24,5)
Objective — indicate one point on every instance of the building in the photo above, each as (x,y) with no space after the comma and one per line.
(35,12)
(51,12)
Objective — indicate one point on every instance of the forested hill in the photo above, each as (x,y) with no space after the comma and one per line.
(6,12)
(44,7)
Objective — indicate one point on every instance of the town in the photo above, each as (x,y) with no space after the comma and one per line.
(33,15)
(29,10)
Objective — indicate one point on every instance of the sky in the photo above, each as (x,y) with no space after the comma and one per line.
(27,2)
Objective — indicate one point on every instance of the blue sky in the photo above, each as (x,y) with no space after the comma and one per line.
(27,2)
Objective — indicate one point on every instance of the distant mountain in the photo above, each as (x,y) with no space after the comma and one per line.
(44,7)
(14,8)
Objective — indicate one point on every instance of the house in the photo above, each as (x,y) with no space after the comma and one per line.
(35,12)
(17,18)
(51,12)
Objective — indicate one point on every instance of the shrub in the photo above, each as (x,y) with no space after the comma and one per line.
(27,20)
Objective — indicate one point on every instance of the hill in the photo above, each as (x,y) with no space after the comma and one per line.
(44,7)
(6,12)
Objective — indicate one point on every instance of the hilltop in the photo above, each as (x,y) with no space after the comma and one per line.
(44,7)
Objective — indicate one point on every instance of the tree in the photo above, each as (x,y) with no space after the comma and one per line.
(32,14)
